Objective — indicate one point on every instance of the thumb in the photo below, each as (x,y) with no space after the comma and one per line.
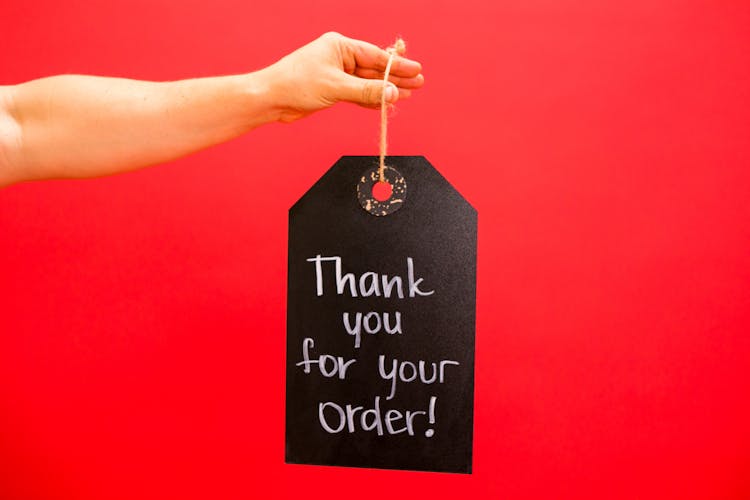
(367,92)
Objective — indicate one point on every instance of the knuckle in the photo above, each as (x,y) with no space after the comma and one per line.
(332,35)
(368,94)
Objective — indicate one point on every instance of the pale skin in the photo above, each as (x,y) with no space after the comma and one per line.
(75,126)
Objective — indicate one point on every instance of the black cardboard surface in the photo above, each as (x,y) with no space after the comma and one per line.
(437,229)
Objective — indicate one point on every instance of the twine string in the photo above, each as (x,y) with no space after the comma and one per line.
(397,48)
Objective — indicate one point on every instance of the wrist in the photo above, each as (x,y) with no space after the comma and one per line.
(262,100)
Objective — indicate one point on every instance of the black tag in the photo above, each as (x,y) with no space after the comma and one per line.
(380,320)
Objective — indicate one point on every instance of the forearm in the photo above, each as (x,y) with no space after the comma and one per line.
(82,126)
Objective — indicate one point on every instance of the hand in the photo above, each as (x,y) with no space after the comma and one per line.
(335,68)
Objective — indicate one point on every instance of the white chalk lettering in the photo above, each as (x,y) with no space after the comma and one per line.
(369,283)
(402,374)
(355,330)
(396,328)
(373,289)
(324,421)
(377,422)
(337,417)
(392,416)
(337,364)
(414,285)
(341,280)
(354,418)
(406,371)
(388,285)
(372,324)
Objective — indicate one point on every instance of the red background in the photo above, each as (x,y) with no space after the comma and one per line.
(606,146)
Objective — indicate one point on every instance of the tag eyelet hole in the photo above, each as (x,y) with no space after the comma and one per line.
(382,191)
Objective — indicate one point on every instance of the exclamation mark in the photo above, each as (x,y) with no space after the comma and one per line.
(431,415)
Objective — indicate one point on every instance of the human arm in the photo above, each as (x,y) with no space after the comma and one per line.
(75,126)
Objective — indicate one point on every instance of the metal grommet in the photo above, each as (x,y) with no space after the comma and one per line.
(368,201)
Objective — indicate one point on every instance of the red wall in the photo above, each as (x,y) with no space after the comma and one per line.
(606,147)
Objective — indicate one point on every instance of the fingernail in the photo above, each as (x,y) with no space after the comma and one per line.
(390,93)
